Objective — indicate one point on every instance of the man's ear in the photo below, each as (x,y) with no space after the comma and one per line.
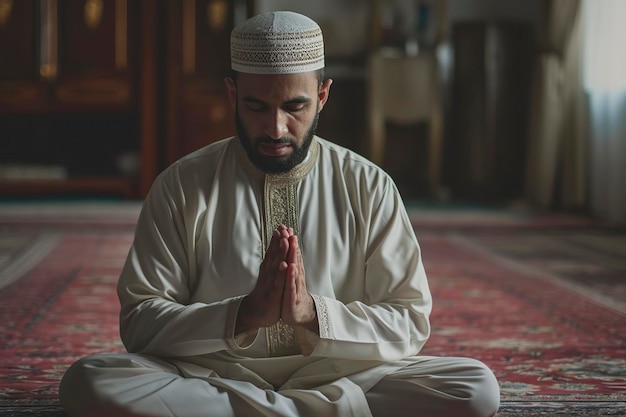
(324,92)
(231,88)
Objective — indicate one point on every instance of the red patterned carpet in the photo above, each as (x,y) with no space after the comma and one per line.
(540,300)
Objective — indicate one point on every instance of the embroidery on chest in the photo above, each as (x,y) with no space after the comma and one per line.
(280,207)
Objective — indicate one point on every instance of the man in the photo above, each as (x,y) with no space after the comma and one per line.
(275,273)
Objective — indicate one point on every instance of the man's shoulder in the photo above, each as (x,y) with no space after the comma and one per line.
(198,162)
(348,160)
(207,151)
(341,153)
(367,183)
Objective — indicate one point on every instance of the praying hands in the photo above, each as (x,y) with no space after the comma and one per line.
(280,291)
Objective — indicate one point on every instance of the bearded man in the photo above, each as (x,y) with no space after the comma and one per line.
(276,273)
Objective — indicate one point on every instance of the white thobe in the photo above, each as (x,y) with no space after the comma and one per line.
(200,239)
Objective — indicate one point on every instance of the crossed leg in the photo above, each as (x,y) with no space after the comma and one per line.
(130,385)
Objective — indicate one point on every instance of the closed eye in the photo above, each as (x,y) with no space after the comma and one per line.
(297,104)
(294,108)
(256,106)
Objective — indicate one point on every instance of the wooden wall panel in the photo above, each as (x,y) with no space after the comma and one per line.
(87,37)
(78,96)
(17,40)
(19,71)
(214,22)
(97,46)
(198,59)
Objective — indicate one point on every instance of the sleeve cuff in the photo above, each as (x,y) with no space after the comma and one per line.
(323,318)
(241,341)
(308,340)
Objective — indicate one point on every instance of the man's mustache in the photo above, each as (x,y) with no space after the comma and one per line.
(266,139)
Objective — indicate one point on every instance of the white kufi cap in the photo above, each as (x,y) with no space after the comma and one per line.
(277,43)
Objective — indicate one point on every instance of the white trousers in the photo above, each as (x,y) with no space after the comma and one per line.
(132,385)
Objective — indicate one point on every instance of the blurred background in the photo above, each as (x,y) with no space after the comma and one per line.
(494,102)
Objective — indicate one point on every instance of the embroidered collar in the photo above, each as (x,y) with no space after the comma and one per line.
(293,176)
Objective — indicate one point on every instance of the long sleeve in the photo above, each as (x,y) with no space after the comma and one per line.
(156,314)
(185,273)
(380,309)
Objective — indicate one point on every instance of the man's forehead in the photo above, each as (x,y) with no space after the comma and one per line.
(278,78)
(289,84)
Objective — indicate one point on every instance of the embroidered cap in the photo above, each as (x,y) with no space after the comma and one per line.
(277,43)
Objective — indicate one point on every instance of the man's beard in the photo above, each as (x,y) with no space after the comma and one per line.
(273,164)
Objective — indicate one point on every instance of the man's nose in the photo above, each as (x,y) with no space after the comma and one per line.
(276,124)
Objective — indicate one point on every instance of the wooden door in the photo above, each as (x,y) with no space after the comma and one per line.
(77,108)
(198,58)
